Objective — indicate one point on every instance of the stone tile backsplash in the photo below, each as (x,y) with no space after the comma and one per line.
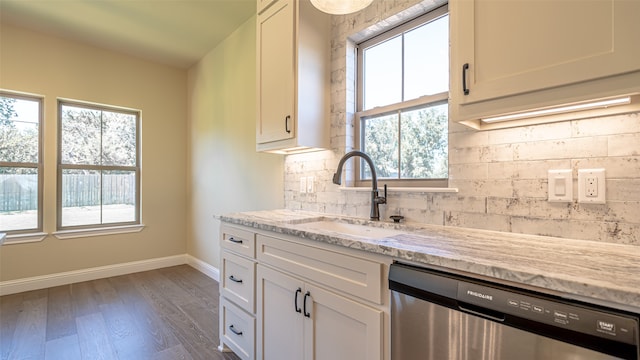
(501,175)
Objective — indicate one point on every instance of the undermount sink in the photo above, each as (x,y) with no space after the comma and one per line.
(366,231)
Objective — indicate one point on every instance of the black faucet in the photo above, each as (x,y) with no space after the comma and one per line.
(375,199)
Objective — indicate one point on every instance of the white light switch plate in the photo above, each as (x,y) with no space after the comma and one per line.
(311,188)
(591,186)
(560,185)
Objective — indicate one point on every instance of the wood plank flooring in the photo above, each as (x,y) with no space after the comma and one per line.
(164,314)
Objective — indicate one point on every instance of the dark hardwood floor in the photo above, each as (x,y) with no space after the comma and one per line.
(169,313)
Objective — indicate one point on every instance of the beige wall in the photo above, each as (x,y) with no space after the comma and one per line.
(226,173)
(40,64)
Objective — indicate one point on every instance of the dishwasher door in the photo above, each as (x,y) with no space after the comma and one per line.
(436,316)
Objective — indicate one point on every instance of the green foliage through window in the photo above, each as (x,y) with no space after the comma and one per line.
(403,93)
(99,166)
(20,163)
(408,145)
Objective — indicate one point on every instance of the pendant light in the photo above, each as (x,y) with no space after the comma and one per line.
(340,7)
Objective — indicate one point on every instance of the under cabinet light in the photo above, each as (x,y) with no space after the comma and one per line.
(560,109)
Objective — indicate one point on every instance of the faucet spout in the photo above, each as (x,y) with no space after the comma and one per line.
(375,199)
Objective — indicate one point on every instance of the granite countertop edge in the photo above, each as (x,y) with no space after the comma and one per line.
(590,271)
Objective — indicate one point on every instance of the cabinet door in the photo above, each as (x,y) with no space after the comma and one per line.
(341,329)
(275,72)
(280,326)
(514,47)
(263,4)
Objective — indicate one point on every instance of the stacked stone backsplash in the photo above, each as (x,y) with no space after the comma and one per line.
(501,175)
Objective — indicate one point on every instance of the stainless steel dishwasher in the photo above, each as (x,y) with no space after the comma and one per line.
(440,316)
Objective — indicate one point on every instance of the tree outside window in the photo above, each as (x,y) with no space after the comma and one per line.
(20,163)
(98,171)
(403,109)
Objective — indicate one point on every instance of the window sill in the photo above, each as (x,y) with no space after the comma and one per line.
(72,234)
(402,189)
(22,238)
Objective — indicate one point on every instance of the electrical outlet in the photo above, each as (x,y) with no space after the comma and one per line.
(591,186)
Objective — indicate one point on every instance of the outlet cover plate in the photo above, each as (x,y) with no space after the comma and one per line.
(591,186)
(560,185)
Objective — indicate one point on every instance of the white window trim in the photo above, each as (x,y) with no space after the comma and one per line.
(443,97)
(33,234)
(64,232)
(24,238)
(113,230)
(6,239)
(401,189)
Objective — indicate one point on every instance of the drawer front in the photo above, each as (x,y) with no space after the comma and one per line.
(239,240)
(356,276)
(238,280)
(238,330)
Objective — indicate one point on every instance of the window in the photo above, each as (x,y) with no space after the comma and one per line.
(403,87)
(98,166)
(20,163)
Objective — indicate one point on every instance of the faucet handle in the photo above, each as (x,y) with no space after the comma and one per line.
(382,199)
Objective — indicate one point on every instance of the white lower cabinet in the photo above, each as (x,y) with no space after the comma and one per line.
(237,291)
(299,320)
(237,329)
(287,298)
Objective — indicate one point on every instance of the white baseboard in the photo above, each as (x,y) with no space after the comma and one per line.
(70,277)
(204,267)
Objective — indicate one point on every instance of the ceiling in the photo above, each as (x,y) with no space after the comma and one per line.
(172,32)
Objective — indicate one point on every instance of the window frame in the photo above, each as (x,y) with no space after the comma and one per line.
(39,166)
(408,105)
(60,167)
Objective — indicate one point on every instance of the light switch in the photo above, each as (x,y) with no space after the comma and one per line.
(560,185)
(311,188)
(560,188)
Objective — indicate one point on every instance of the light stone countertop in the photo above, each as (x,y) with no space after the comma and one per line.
(597,272)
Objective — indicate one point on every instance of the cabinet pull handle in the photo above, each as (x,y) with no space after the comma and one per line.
(286,124)
(233,278)
(295,301)
(306,314)
(465,90)
(233,240)
(233,330)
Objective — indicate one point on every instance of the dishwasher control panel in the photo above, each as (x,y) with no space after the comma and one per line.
(568,316)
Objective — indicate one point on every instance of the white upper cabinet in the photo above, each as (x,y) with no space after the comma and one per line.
(263,4)
(293,75)
(510,55)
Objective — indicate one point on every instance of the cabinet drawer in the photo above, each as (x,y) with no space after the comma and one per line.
(356,276)
(239,240)
(238,280)
(237,329)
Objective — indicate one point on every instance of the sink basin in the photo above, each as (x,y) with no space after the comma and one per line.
(367,231)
